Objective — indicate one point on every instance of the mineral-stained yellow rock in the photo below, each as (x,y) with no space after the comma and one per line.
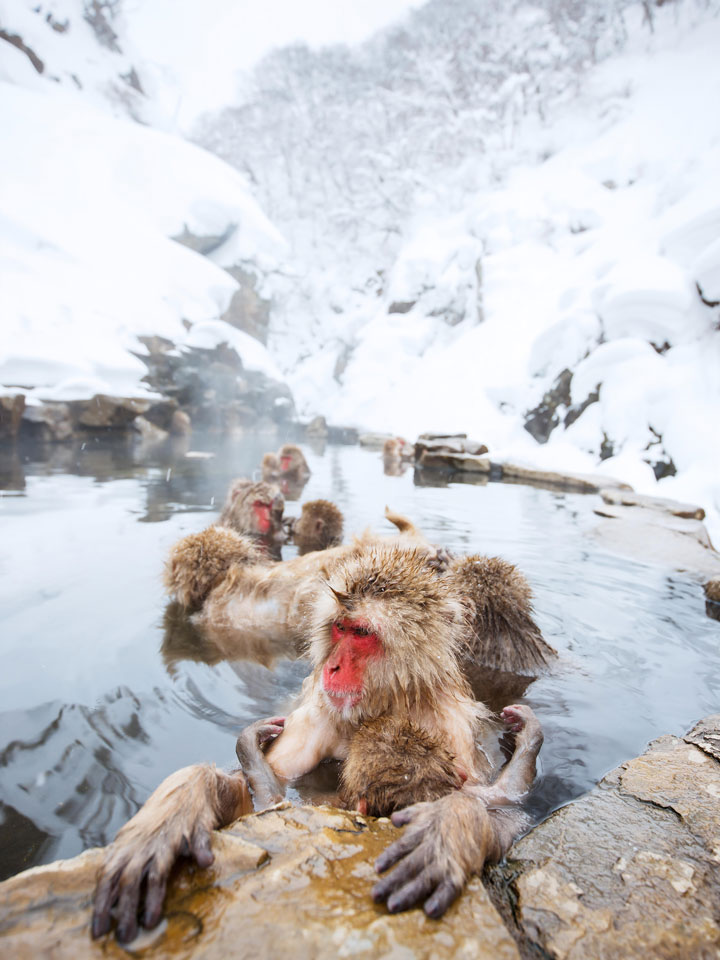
(288,883)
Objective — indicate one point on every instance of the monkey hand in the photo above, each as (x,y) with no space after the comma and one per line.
(445,842)
(439,559)
(258,736)
(176,821)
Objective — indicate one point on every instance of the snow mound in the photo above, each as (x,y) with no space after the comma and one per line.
(89,204)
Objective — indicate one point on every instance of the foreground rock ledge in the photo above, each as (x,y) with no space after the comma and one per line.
(291,882)
(630,870)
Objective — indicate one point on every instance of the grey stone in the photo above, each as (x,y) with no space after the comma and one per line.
(626,498)
(577,482)
(11,411)
(48,423)
(631,869)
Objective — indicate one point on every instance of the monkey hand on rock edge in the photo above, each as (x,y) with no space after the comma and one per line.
(445,842)
(177,820)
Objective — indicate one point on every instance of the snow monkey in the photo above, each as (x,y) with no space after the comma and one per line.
(256,509)
(385,637)
(289,468)
(319,526)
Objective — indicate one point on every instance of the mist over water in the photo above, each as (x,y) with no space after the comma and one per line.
(98,704)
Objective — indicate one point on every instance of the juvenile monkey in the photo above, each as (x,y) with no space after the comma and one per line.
(391,764)
(384,637)
(397,455)
(319,526)
(270,467)
(256,510)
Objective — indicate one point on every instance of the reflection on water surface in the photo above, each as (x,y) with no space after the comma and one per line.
(101,697)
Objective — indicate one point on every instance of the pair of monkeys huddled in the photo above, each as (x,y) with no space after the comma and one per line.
(393,627)
(255,509)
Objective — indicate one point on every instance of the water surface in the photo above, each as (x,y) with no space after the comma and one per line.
(93,713)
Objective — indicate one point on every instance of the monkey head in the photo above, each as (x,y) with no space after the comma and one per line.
(201,561)
(270,467)
(253,508)
(319,526)
(385,634)
(292,460)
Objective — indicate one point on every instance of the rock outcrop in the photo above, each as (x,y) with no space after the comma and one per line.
(631,869)
(289,882)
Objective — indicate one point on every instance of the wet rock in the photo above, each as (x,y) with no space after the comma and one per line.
(102,412)
(317,428)
(712,589)
(287,882)
(148,432)
(347,435)
(450,444)
(47,423)
(577,482)
(631,869)
(248,310)
(660,538)
(11,411)
(217,391)
(627,498)
(712,592)
(454,462)
(374,441)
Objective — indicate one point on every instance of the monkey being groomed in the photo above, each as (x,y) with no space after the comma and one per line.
(256,510)
(387,636)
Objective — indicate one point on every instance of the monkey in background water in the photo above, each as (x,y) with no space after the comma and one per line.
(256,510)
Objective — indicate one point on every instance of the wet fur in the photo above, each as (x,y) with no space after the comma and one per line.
(392,763)
(319,526)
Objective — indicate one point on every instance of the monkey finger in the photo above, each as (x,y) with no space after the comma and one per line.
(407,843)
(402,817)
(127,908)
(436,905)
(105,897)
(407,870)
(200,847)
(154,897)
(408,895)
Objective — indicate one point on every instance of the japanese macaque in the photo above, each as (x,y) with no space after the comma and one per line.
(270,467)
(256,510)
(203,561)
(500,630)
(319,526)
(385,637)
(289,468)
(397,455)
(292,461)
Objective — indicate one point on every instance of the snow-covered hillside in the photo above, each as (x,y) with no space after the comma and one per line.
(89,202)
(586,238)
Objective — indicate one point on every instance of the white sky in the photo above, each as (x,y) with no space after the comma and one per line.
(201,44)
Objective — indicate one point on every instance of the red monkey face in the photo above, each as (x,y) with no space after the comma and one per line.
(262,516)
(285,463)
(354,646)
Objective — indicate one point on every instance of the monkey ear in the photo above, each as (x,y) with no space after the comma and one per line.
(319,525)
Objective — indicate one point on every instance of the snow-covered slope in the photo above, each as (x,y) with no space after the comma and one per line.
(88,204)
